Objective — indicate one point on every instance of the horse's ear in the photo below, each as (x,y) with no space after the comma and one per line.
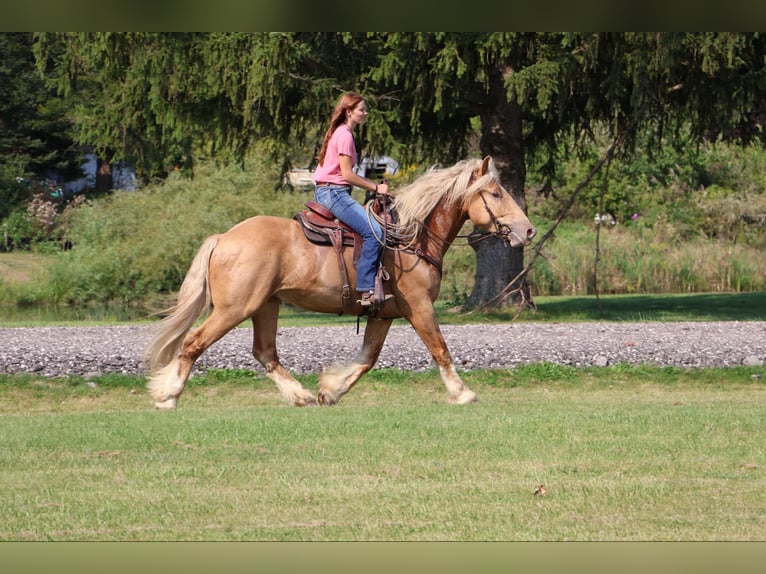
(485,166)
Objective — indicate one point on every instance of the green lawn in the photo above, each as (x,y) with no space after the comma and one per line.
(672,307)
(681,307)
(625,453)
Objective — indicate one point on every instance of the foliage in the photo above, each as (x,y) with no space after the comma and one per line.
(41,223)
(129,246)
(35,142)
(649,84)
(637,259)
(133,248)
(689,184)
(160,99)
(163,101)
(17,230)
(543,100)
(35,135)
(689,220)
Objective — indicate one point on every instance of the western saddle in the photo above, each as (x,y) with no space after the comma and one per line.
(322,228)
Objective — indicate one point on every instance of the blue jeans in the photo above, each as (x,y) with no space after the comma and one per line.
(338,199)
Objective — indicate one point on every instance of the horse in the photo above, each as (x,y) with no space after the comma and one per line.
(264,261)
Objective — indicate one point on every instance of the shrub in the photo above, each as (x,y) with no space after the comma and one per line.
(131,245)
(689,236)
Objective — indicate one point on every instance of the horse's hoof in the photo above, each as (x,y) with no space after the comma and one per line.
(168,404)
(326,400)
(305,402)
(464,398)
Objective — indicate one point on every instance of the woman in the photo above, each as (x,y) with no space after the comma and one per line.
(334,178)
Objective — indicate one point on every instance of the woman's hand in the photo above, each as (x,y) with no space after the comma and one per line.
(382,188)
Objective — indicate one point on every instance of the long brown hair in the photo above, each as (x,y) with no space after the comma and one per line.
(347,101)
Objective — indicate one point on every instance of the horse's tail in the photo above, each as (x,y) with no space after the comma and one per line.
(193,299)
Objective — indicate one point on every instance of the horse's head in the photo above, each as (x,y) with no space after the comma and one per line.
(492,208)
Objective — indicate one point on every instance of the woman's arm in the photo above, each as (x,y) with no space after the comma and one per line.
(347,169)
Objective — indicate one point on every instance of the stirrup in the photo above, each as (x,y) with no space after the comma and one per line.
(368,299)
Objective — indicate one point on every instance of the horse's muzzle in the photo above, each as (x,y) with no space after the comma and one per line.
(521,235)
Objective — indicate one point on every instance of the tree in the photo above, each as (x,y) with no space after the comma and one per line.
(35,136)
(570,87)
(537,93)
(445,82)
(162,99)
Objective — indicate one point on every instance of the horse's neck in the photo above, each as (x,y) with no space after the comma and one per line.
(443,226)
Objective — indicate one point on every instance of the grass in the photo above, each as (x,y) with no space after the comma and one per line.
(668,307)
(23,267)
(630,308)
(625,453)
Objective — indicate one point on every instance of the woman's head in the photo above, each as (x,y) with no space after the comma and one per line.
(350,106)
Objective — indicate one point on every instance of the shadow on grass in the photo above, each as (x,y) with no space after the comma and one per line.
(692,307)
(652,307)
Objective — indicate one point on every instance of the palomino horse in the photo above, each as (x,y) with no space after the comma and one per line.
(264,261)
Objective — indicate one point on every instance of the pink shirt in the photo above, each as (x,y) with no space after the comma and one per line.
(341,143)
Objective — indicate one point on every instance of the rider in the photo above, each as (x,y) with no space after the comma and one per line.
(334,178)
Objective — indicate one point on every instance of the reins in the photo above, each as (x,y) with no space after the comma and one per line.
(402,240)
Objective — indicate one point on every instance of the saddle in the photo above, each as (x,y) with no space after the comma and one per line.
(322,228)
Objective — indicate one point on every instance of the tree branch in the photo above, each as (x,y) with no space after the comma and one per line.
(606,158)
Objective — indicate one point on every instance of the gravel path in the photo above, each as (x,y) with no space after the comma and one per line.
(53,351)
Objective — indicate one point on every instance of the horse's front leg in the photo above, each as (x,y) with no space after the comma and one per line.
(336,381)
(425,325)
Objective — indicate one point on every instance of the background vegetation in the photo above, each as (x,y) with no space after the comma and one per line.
(694,223)
(672,116)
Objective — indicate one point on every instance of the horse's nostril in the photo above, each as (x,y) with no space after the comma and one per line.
(531,232)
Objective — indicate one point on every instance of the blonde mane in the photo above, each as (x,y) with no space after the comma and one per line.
(417,200)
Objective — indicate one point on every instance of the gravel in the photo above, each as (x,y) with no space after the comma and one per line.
(90,351)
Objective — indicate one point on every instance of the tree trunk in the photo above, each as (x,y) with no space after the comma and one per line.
(104,181)
(497,264)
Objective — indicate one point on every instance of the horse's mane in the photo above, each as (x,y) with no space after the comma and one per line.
(417,200)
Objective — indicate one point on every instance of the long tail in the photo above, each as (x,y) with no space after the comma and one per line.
(193,299)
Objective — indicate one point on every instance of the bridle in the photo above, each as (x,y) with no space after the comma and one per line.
(502,230)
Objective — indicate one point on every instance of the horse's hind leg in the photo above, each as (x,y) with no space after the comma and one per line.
(168,383)
(338,380)
(265,351)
